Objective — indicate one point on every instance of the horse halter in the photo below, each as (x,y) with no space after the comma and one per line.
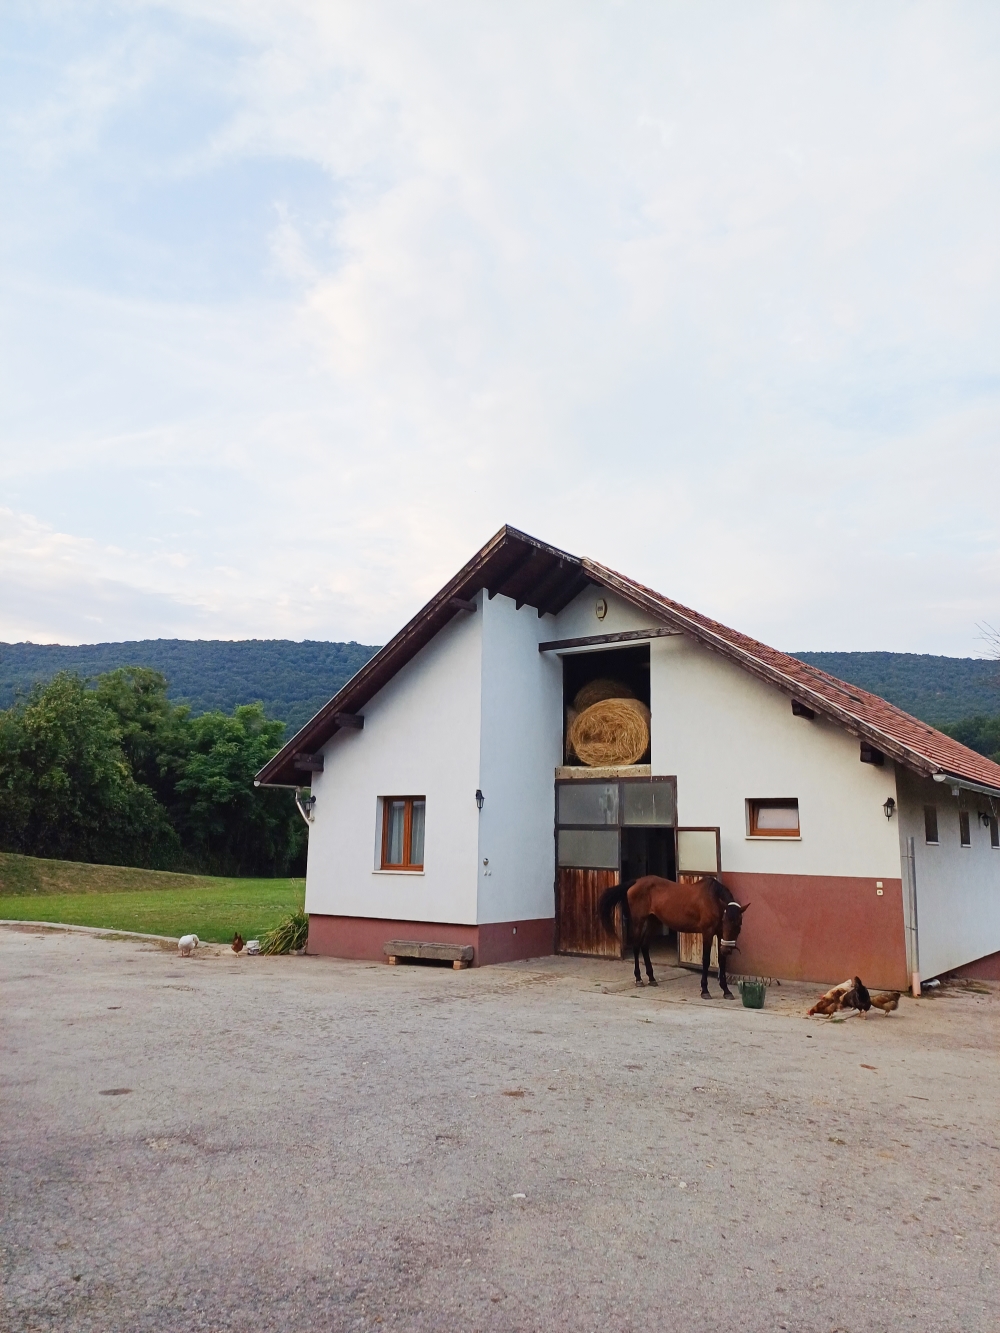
(730,944)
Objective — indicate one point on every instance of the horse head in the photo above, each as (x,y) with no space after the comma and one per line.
(732,924)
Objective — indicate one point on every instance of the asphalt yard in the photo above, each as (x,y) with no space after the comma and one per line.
(299,1143)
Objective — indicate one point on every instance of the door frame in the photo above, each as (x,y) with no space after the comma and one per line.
(621,780)
(688,943)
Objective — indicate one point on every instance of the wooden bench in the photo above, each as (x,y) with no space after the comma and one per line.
(459,955)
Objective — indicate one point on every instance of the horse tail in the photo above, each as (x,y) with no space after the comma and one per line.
(609,900)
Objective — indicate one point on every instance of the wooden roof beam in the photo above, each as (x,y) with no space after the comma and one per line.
(499,581)
(572,589)
(529,589)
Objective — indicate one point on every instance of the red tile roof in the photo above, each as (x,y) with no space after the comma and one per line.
(539,575)
(895,733)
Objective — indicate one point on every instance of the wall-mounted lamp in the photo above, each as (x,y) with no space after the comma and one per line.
(984,819)
(305,804)
(889,808)
(479,799)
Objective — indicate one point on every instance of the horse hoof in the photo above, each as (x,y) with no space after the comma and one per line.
(638,982)
(728,995)
(706,995)
(653,981)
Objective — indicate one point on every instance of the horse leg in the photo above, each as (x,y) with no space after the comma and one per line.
(636,940)
(727,993)
(706,958)
(647,931)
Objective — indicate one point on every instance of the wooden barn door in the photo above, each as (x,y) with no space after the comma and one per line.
(578,927)
(698,853)
(588,861)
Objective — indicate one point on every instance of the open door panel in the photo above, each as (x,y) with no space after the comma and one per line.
(578,926)
(698,853)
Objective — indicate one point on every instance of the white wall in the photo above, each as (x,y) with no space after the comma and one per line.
(728,736)
(521,744)
(579,619)
(958,888)
(420,738)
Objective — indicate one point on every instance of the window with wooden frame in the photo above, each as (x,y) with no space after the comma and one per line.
(777,818)
(403,819)
(930,824)
(964,831)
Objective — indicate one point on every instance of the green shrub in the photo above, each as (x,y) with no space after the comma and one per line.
(287,937)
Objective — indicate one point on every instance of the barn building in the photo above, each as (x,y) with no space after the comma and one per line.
(446,805)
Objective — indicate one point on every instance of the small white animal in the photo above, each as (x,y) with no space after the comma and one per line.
(187,944)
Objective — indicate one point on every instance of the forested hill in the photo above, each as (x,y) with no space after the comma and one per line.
(293,680)
(937,689)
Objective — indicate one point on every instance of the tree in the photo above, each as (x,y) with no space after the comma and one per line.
(150,724)
(980,733)
(227,825)
(66,785)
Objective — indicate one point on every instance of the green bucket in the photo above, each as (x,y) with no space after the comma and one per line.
(753,994)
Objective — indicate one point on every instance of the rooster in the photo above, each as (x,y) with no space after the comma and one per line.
(830,1002)
(886,1000)
(857,998)
(237,942)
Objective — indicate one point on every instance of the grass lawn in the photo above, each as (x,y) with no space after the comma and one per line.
(151,901)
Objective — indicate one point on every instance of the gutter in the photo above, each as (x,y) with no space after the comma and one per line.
(963,784)
(304,810)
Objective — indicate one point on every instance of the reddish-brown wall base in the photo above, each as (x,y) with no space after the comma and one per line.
(363,937)
(821,928)
(983,969)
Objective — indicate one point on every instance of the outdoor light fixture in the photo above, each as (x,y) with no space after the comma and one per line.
(984,817)
(479,799)
(889,808)
(305,804)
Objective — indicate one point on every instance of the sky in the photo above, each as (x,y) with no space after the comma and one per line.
(301,302)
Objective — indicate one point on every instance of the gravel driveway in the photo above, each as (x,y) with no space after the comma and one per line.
(307,1143)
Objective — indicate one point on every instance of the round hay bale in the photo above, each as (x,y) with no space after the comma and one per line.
(610,732)
(602,688)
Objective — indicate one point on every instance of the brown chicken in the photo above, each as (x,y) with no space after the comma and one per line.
(237,942)
(830,1002)
(886,1000)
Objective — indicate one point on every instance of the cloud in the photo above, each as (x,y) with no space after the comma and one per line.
(709,295)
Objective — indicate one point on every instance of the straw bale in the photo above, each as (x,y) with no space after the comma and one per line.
(612,731)
(601,688)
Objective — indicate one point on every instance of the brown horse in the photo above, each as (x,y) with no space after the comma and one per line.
(703,907)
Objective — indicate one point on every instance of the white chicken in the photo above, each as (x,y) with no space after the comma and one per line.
(187,944)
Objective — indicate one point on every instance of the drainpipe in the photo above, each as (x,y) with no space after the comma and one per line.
(911,875)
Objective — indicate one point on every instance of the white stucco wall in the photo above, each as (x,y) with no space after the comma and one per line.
(729,737)
(579,619)
(521,744)
(420,738)
(958,888)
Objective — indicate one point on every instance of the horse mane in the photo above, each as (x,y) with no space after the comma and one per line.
(722,894)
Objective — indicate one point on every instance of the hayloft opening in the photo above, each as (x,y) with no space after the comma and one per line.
(591,678)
